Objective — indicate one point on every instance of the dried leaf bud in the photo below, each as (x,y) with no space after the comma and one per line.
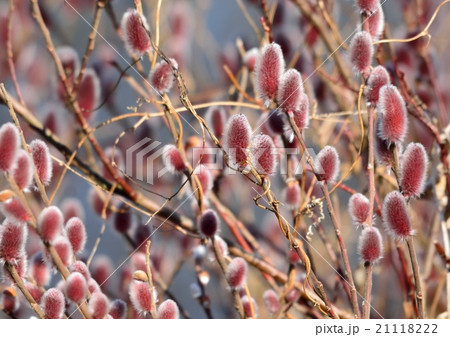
(89,93)
(135,36)
(172,159)
(394,122)
(140,275)
(358,207)
(13,236)
(361,51)
(53,303)
(76,233)
(50,223)
(237,138)
(64,249)
(161,77)
(13,208)
(209,223)
(327,164)
(396,216)
(168,310)
(9,146)
(290,90)
(263,154)
(370,245)
(80,267)
(378,78)
(140,296)
(122,220)
(237,273)
(413,170)
(118,309)
(39,270)
(275,122)
(42,160)
(23,172)
(98,305)
(268,70)
(76,287)
(271,301)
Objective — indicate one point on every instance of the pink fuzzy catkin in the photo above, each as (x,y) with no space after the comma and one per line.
(263,154)
(370,245)
(203,174)
(76,233)
(50,223)
(98,305)
(53,303)
(376,23)
(80,267)
(39,270)
(13,236)
(396,218)
(172,159)
(168,310)
(88,97)
(216,118)
(413,170)
(327,164)
(135,36)
(76,287)
(14,209)
(42,160)
(140,296)
(290,91)
(237,138)
(64,249)
(271,301)
(161,77)
(393,118)
(378,78)
(368,6)
(358,207)
(23,172)
(9,146)
(361,52)
(301,115)
(268,70)
(292,195)
(118,309)
(236,273)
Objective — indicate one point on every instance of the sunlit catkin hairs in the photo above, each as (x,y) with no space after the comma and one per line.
(53,303)
(237,138)
(413,170)
(290,90)
(396,218)
(76,233)
(76,287)
(42,160)
(134,32)
(370,245)
(393,118)
(361,52)
(327,164)
(268,70)
(50,223)
(236,273)
(378,78)
(358,208)
(161,77)
(9,146)
(263,154)
(168,310)
(13,236)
